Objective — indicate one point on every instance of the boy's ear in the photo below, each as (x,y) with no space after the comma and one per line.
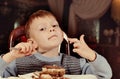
(33,42)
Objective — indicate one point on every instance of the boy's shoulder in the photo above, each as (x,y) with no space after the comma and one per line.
(26,58)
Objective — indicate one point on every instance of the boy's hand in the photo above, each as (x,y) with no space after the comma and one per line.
(22,49)
(82,48)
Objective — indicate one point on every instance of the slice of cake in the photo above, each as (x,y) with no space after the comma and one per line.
(51,72)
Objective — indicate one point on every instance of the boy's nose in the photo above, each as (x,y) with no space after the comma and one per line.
(52,29)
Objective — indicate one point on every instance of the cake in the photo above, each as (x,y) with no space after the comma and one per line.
(51,72)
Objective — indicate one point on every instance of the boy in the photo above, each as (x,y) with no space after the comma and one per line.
(44,38)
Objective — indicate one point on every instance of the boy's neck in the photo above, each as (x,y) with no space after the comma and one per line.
(51,53)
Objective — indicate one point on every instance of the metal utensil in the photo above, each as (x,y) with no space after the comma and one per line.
(68,44)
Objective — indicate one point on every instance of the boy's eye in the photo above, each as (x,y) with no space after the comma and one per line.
(42,29)
(55,25)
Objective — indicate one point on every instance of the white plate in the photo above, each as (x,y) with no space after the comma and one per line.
(81,76)
(88,76)
(29,76)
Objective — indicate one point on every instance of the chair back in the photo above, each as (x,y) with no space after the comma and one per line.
(17,35)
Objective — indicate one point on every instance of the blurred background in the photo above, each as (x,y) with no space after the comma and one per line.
(99,20)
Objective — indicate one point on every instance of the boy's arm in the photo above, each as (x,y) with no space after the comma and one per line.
(99,67)
(7,65)
(7,69)
(96,65)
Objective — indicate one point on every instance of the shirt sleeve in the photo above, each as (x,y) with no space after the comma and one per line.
(100,67)
(7,69)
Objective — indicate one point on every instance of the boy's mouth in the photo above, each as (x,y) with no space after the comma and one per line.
(53,36)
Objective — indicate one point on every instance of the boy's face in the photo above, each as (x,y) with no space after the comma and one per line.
(46,33)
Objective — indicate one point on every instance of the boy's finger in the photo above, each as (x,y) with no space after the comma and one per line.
(76,50)
(82,38)
(73,40)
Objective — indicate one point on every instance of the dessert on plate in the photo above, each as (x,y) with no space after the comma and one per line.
(50,72)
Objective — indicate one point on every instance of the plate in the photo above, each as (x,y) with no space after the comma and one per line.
(29,76)
(88,76)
